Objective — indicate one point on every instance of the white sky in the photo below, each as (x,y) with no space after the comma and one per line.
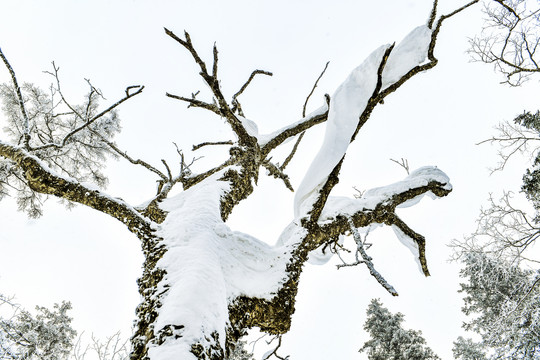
(435,119)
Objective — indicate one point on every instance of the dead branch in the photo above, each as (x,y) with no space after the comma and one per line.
(292,153)
(433,14)
(236,104)
(196,147)
(196,103)
(273,352)
(212,81)
(124,155)
(277,173)
(313,89)
(293,130)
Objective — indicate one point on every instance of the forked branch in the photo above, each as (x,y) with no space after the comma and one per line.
(212,81)
(366,259)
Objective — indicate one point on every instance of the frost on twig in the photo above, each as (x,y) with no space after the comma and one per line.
(366,259)
(510,39)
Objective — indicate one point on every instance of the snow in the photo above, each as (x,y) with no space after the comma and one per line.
(410,52)
(207,266)
(338,205)
(250,126)
(348,103)
(265,138)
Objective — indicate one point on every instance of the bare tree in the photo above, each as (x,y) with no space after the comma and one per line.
(510,38)
(203,285)
(501,289)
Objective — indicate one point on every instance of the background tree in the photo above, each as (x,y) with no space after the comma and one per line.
(502,302)
(389,340)
(46,336)
(247,158)
(500,259)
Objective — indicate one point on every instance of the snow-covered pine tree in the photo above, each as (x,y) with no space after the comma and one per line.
(389,340)
(204,285)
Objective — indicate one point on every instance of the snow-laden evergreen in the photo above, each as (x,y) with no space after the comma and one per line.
(389,340)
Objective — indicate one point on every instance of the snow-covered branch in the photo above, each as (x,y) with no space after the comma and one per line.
(42,179)
(377,206)
(383,72)
(366,259)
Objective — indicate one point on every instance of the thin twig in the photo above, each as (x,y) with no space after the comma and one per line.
(313,89)
(235,102)
(404,163)
(293,152)
(196,103)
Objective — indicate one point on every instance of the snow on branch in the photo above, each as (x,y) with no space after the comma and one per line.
(278,137)
(383,71)
(382,68)
(378,206)
(42,179)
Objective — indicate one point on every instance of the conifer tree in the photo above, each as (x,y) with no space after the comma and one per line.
(389,340)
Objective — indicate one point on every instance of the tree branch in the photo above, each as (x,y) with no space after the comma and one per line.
(366,259)
(313,89)
(235,103)
(132,160)
(280,136)
(196,147)
(22,107)
(42,180)
(86,122)
(196,103)
(212,81)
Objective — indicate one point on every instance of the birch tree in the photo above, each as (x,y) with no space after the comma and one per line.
(203,285)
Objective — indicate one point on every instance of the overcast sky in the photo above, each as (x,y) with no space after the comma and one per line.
(435,119)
